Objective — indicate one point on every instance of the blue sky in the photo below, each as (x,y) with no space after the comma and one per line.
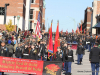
(64,11)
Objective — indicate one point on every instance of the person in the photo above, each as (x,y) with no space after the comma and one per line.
(89,43)
(64,50)
(33,52)
(11,48)
(68,58)
(4,51)
(0,38)
(59,54)
(94,58)
(80,51)
(26,52)
(18,52)
(41,50)
(84,43)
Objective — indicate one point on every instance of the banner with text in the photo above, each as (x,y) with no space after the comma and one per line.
(15,65)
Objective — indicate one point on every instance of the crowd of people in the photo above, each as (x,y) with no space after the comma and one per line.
(26,45)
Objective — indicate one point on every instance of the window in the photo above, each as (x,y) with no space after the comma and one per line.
(30,24)
(32,1)
(31,14)
(2,10)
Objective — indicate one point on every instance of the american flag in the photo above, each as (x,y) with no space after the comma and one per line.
(37,31)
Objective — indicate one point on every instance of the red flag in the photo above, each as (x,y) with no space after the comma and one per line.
(57,42)
(66,32)
(50,47)
(84,31)
(72,31)
(61,32)
(81,29)
(76,31)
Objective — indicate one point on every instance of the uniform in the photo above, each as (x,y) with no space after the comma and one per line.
(4,51)
(80,52)
(68,58)
(41,51)
(26,53)
(33,54)
(59,56)
(18,52)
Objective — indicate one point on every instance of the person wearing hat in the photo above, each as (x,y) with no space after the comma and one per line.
(26,52)
(18,52)
(68,59)
(80,51)
(59,54)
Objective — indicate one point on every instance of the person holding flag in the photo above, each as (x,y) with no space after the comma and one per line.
(57,41)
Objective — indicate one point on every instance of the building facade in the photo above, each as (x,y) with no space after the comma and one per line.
(15,8)
(95,11)
(87,21)
(27,10)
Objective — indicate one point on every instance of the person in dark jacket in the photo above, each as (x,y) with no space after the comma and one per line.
(84,43)
(18,52)
(26,52)
(80,51)
(11,48)
(4,51)
(89,43)
(41,51)
(59,54)
(68,58)
(33,52)
(94,58)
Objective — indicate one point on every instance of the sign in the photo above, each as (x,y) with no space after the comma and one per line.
(15,65)
(35,67)
(52,68)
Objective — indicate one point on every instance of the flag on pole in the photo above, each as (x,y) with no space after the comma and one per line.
(57,41)
(61,31)
(66,32)
(84,31)
(50,46)
(72,31)
(37,31)
(78,29)
(81,29)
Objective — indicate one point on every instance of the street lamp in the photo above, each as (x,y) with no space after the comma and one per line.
(14,19)
(18,17)
(5,12)
(74,22)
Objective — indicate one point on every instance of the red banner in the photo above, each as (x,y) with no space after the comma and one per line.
(15,65)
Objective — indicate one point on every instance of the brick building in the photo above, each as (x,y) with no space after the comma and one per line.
(95,11)
(87,21)
(27,10)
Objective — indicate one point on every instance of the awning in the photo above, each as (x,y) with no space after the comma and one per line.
(96,25)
